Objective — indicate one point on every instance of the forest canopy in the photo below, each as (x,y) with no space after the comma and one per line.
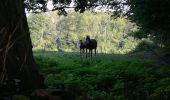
(152,16)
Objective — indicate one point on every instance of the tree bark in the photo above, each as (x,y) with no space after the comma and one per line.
(16,56)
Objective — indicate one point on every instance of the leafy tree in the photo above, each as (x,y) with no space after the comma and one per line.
(42,29)
(153,18)
(108,31)
(37,25)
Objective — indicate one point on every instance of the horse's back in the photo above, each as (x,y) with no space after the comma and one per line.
(83,45)
(94,43)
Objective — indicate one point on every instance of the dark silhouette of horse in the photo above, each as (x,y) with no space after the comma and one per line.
(82,47)
(90,44)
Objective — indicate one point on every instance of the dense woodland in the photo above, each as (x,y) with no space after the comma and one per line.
(50,31)
(40,59)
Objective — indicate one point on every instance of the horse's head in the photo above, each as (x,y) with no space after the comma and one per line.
(87,37)
(82,44)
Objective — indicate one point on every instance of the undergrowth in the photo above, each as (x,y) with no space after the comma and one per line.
(105,79)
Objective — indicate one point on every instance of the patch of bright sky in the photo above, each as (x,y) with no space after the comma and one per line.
(103,8)
(50,5)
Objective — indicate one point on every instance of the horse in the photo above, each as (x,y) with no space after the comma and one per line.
(90,44)
(82,47)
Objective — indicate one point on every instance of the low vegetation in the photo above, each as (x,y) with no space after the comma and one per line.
(105,77)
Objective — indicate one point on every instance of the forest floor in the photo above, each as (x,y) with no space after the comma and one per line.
(141,75)
(156,57)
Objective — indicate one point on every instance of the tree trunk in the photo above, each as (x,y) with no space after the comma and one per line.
(16,56)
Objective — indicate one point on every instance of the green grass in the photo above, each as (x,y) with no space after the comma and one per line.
(105,77)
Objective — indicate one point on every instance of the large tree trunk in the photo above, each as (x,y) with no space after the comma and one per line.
(16,56)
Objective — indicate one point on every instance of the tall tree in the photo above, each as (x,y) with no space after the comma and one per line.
(16,57)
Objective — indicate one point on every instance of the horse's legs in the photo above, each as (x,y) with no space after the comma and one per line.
(86,52)
(89,52)
(83,52)
(95,51)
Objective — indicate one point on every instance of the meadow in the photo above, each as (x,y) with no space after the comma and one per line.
(104,77)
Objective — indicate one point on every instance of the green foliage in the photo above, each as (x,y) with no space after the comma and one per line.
(108,32)
(36,26)
(152,16)
(42,31)
(105,78)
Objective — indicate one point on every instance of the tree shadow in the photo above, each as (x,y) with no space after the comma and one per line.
(142,55)
(150,50)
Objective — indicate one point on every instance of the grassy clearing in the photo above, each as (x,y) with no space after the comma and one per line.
(105,77)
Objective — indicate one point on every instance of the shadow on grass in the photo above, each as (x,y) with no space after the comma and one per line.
(142,55)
